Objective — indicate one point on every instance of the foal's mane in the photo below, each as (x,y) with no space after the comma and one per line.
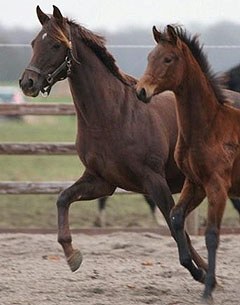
(94,41)
(197,51)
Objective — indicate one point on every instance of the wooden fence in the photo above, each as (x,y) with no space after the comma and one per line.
(27,187)
(53,187)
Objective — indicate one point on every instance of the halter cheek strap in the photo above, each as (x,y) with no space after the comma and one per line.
(51,78)
(66,65)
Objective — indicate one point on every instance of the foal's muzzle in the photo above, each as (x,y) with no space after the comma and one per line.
(142,95)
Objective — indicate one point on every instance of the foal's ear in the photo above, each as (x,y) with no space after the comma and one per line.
(58,15)
(42,16)
(156,34)
(172,34)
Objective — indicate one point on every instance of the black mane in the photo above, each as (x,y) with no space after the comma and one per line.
(97,44)
(94,41)
(197,51)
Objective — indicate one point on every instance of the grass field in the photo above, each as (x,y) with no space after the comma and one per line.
(39,211)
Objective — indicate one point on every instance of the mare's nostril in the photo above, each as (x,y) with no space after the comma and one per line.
(30,83)
(26,83)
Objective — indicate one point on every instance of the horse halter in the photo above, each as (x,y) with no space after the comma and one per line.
(51,78)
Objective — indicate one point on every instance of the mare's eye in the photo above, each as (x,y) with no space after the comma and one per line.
(56,46)
(167,60)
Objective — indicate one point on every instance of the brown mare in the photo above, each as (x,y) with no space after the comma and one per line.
(121,142)
(208,145)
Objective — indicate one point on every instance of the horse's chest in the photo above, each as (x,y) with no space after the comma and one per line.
(98,157)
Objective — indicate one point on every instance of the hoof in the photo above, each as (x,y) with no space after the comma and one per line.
(74,261)
(200,276)
(207,299)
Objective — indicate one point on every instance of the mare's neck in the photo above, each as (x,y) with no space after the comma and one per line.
(196,105)
(96,92)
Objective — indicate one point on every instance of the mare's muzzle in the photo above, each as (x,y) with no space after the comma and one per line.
(34,80)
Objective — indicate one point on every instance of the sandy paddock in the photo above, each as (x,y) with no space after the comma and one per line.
(118,269)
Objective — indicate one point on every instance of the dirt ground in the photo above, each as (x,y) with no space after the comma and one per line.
(118,269)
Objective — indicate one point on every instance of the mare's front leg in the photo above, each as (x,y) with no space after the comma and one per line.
(158,190)
(86,188)
(191,196)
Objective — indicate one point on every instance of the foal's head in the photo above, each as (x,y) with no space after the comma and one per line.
(176,56)
(50,61)
(165,65)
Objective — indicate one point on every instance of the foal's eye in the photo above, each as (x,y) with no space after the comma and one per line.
(167,60)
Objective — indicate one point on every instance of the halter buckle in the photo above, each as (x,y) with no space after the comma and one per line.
(49,79)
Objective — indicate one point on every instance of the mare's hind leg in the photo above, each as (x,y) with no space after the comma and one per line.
(86,188)
(191,197)
(160,193)
(100,220)
(156,214)
(236,205)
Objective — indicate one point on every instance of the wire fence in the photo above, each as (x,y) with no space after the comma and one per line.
(131,58)
(123,46)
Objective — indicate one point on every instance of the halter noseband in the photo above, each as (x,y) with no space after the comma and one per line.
(51,78)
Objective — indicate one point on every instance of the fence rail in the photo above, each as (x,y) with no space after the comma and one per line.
(29,187)
(37,109)
(37,149)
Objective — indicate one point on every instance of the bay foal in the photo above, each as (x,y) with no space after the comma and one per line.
(208,145)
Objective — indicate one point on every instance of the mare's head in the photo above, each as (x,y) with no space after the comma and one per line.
(165,65)
(51,58)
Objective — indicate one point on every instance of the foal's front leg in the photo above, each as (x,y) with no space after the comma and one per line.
(191,197)
(86,188)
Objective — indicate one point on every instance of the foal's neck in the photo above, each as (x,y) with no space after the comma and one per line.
(196,104)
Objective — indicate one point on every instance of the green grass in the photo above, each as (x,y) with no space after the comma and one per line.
(39,211)
(39,128)
(49,99)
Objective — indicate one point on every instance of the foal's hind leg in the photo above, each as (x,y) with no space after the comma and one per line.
(160,193)
(216,191)
(86,188)
(191,197)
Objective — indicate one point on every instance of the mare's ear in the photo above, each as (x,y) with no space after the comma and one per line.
(172,34)
(41,15)
(58,15)
(156,34)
